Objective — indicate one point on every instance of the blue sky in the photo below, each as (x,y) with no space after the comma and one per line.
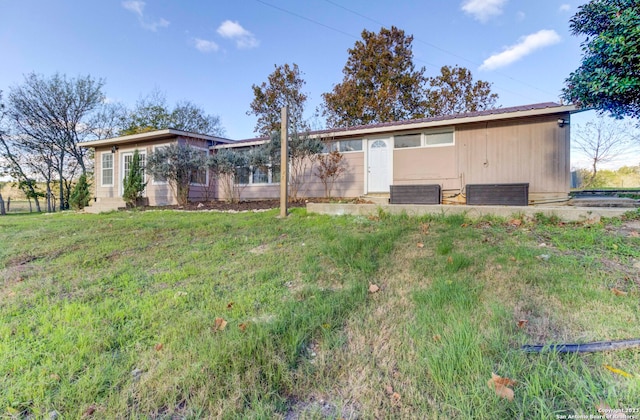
(212,52)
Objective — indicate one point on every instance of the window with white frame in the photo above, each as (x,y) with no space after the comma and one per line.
(199,177)
(255,175)
(424,139)
(107,169)
(352,145)
(159,180)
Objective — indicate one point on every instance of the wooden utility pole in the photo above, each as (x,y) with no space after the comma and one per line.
(284,161)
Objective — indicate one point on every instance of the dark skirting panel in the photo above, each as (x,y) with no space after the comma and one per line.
(415,194)
(498,194)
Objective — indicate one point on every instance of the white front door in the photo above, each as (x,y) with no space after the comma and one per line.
(125,164)
(378,166)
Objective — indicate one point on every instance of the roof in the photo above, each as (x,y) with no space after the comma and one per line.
(532,110)
(545,108)
(152,135)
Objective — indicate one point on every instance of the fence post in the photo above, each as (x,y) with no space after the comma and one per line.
(284,161)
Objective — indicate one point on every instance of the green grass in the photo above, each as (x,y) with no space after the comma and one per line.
(114,316)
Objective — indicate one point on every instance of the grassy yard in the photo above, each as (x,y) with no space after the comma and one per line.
(163,314)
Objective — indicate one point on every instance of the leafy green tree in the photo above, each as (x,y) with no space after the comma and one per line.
(177,164)
(454,92)
(302,153)
(282,88)
(152,113)
(134,183)
(80,195)
(380,84)
(226,165)
(609,77)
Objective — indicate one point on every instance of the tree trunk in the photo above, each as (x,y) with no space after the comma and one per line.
(8,204)
(2,212)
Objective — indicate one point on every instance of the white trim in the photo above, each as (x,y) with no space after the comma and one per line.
(130,152)
(153,179)
(389,148)
(113,167)
(206,170)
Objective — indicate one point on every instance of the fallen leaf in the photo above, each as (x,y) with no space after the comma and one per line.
(389,389)
(373,288)
(436,337)
(89,411)
(450,260)
(515,222)
(501,386)
(618,292)
(522,323)
(395,397)
(634,234)
(220,324)
(420,245)
(158,346)
(618,371)
(54,376)
(512,258)
(242,326)
(230,305)
(424,228)
(464,225)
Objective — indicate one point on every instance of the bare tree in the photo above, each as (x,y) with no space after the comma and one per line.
(602,140)
(51,118)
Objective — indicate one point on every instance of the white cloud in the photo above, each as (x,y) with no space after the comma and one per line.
(153,26)
(483,10)
(205,46)
(233,30)
(565,7)
(137,7)
(526,46)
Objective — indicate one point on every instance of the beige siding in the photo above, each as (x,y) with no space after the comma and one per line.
(350,184)
(427,165)
(533,150)
(158,193)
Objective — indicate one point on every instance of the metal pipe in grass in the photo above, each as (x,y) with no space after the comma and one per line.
(582,347)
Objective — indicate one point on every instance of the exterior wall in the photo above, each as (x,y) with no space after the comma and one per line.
(533,150)
(350,184)
(158,193)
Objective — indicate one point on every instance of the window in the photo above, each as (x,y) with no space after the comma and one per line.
(107,169)
(243,176)
(354,145)
(260,175)
(426,139)
(350,145)
(330,146)
(407,140)
(159,179)
(438,139)
(199,176)
(128,160)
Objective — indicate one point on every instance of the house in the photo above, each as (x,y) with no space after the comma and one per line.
(526,146)
(113,157)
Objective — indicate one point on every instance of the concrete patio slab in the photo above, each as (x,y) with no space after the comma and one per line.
(564,213)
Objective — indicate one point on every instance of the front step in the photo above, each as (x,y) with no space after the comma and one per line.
(104,204)
(379,199)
